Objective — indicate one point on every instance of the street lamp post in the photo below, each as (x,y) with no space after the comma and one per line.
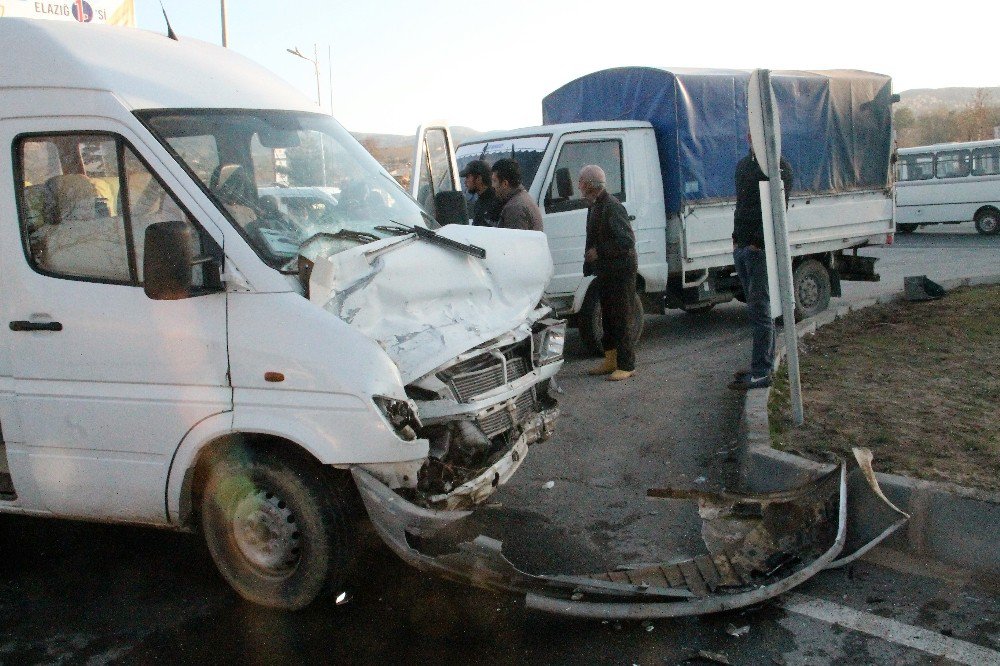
(315,61)
(225,24)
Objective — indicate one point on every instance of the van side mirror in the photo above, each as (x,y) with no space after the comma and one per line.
(168,258)
(450,208)
(564,183)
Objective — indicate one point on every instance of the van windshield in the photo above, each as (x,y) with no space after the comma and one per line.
(292,183)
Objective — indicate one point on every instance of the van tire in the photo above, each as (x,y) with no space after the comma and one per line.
(277,527)
(812,289)
(906,228)
(591,326)
(988,221)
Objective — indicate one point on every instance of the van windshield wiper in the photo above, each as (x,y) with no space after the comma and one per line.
(437,239)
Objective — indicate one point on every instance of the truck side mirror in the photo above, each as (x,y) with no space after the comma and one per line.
(168,257)
(564,183)
(450,208)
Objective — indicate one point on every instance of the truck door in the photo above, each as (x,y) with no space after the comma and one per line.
(564,206)
(434,167)
(105,380)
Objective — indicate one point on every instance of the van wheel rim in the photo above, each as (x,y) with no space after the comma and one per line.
(265,532)
(988,223)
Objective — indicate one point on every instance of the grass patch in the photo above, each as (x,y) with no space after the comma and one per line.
(918,383)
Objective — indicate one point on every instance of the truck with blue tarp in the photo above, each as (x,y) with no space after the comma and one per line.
(669,141)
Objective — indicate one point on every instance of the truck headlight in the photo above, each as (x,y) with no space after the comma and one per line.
(400,416)
(549,342)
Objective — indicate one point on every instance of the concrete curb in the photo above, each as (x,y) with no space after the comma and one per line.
(948,522)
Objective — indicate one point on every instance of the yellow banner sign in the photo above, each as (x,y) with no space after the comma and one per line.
(111,12)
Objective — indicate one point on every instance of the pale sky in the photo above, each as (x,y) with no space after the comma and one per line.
(487,65)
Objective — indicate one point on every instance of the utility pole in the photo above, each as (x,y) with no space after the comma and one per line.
(315,61)
(329,62)
(765,133)
(225,24)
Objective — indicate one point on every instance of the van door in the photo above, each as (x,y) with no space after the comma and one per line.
(434,167)
(564,206)
(106,381)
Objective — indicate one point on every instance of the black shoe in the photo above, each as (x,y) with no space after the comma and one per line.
(750,382)
(740,375)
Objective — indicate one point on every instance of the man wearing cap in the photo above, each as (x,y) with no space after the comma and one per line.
(519,211)
(611,255)
(486,208)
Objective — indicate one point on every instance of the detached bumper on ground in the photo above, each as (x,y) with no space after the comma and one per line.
(758,546)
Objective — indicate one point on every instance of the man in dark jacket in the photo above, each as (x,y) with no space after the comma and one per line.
(486,208)
(751,268)
(611,257)
(518,210)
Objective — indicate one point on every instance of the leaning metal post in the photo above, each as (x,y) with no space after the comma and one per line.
(772,134)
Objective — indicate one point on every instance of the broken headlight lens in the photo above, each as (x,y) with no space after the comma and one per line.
(549,342)
(400,416)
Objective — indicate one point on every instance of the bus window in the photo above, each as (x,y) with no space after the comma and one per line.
(915,167)
(952,164)
(986,161)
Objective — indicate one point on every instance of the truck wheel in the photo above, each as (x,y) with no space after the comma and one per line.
(906,228)
(276,527)
(812,289)
(591,324)
(988,222)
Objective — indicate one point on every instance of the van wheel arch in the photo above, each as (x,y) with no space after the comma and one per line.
(197,475)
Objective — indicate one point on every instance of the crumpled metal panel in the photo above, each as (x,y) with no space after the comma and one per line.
(757,547)
(425,304)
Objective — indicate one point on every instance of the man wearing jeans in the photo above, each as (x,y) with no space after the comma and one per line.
(751,268)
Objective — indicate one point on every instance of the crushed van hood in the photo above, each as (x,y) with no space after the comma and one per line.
(426,304)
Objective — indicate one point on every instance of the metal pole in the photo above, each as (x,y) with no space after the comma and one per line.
(319,95)
(225,24)
(784,257)
(329,62)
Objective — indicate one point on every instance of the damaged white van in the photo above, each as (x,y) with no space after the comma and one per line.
(183,351)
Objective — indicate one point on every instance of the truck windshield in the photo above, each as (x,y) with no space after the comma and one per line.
(291,182)
(527,150)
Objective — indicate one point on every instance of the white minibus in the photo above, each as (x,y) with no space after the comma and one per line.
(949,183)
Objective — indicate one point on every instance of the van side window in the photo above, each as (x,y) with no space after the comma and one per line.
(986,161)
(86,201)
(915,167)
(563,194)
(952,164)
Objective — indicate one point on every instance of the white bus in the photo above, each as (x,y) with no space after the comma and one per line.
(949,183)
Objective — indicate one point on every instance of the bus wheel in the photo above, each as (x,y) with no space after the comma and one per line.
(906,228)
(988,222)
(812,288)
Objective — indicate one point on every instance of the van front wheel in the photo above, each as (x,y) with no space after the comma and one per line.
(275,527)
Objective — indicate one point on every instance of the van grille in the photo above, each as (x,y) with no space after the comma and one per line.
(485,372)
(502,420)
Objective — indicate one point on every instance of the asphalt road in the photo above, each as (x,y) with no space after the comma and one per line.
(80,593)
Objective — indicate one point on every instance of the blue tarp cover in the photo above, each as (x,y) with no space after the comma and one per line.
(836,126)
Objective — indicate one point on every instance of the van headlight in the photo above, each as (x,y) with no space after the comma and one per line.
(400,415)
(548,343)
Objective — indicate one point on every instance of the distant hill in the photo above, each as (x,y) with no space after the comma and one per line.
(922,100)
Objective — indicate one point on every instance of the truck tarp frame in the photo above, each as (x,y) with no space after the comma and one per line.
(836,125)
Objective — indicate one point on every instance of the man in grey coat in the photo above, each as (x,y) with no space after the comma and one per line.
(611,256)
(518,210)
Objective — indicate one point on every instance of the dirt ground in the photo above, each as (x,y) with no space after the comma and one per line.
(918,383)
